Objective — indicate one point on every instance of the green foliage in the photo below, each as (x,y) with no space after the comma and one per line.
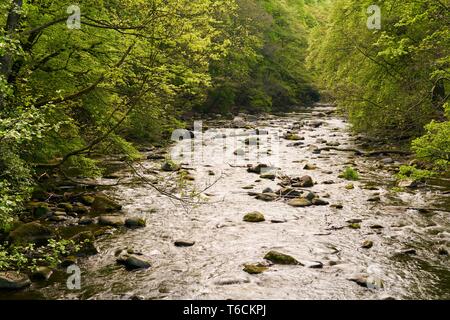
(391,82)
(413,173)
(350,174)
(434,146)
(27,258)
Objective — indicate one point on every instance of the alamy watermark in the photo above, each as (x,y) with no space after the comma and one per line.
(374,21)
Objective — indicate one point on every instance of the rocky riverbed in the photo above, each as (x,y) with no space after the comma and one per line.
(271,209)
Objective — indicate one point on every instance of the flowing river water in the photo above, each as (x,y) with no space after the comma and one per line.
(213,267)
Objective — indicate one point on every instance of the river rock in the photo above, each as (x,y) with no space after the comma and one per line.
(67,207)
(239,152)
(304,182)
(42,274)
(299,202)
(367,281)
(267,190)
(254,268)
(31,232)
(238,122)
(135,222)
(113,221)
(184,243)
(269,176)
(319,202)
(132,262)
(281,258)
(408,183)
(387,160)
(10,280)
(309,166)
(367,244)
(84,221)
(87,241)
(337,206)
(258,168)
(87,199)
(254,217)
(80,208)
(267,197)
(251,141)
(328,182)
(103,204)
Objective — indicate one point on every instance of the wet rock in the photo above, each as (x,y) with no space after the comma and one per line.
(170,166)
(58,218)
(354,221)
(333,144)
(12,280)
(310,196)
(267,197)
(367,244)
(239,152)
(269,176)
(79,208)
(376,226)
(281,258)
(387,160)
(300,202)
(87,200)
(354,226)
(319,202)
(278,221)
(42,274)
(374,199)
(254,217)
(315,124)
(295,144)
(103,204)
(289,192)
(211,173)
(113,221)
(293,137)
(68,261)
(31,232)
(258,168)
(184,243)
(267,190)
(132,262)
(443,251)
(312,264)
(408,183)
(248,187)
(328,182)
(337,206)
(304,182)
(84,221)
(309,166)
(67,207)
(254,268)
(367,281)
(135,222)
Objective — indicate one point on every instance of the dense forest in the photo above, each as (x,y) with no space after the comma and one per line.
(132,71)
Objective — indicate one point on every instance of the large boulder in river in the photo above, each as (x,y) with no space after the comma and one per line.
(105,204)
(32,232)
(10,280)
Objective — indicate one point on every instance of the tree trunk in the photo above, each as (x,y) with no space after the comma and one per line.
(12,22)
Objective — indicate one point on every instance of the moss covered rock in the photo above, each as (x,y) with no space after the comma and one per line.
(280,258)
(105,204)
(254,217)
(170,166)
(135,222)
(254,268)
(32,232)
